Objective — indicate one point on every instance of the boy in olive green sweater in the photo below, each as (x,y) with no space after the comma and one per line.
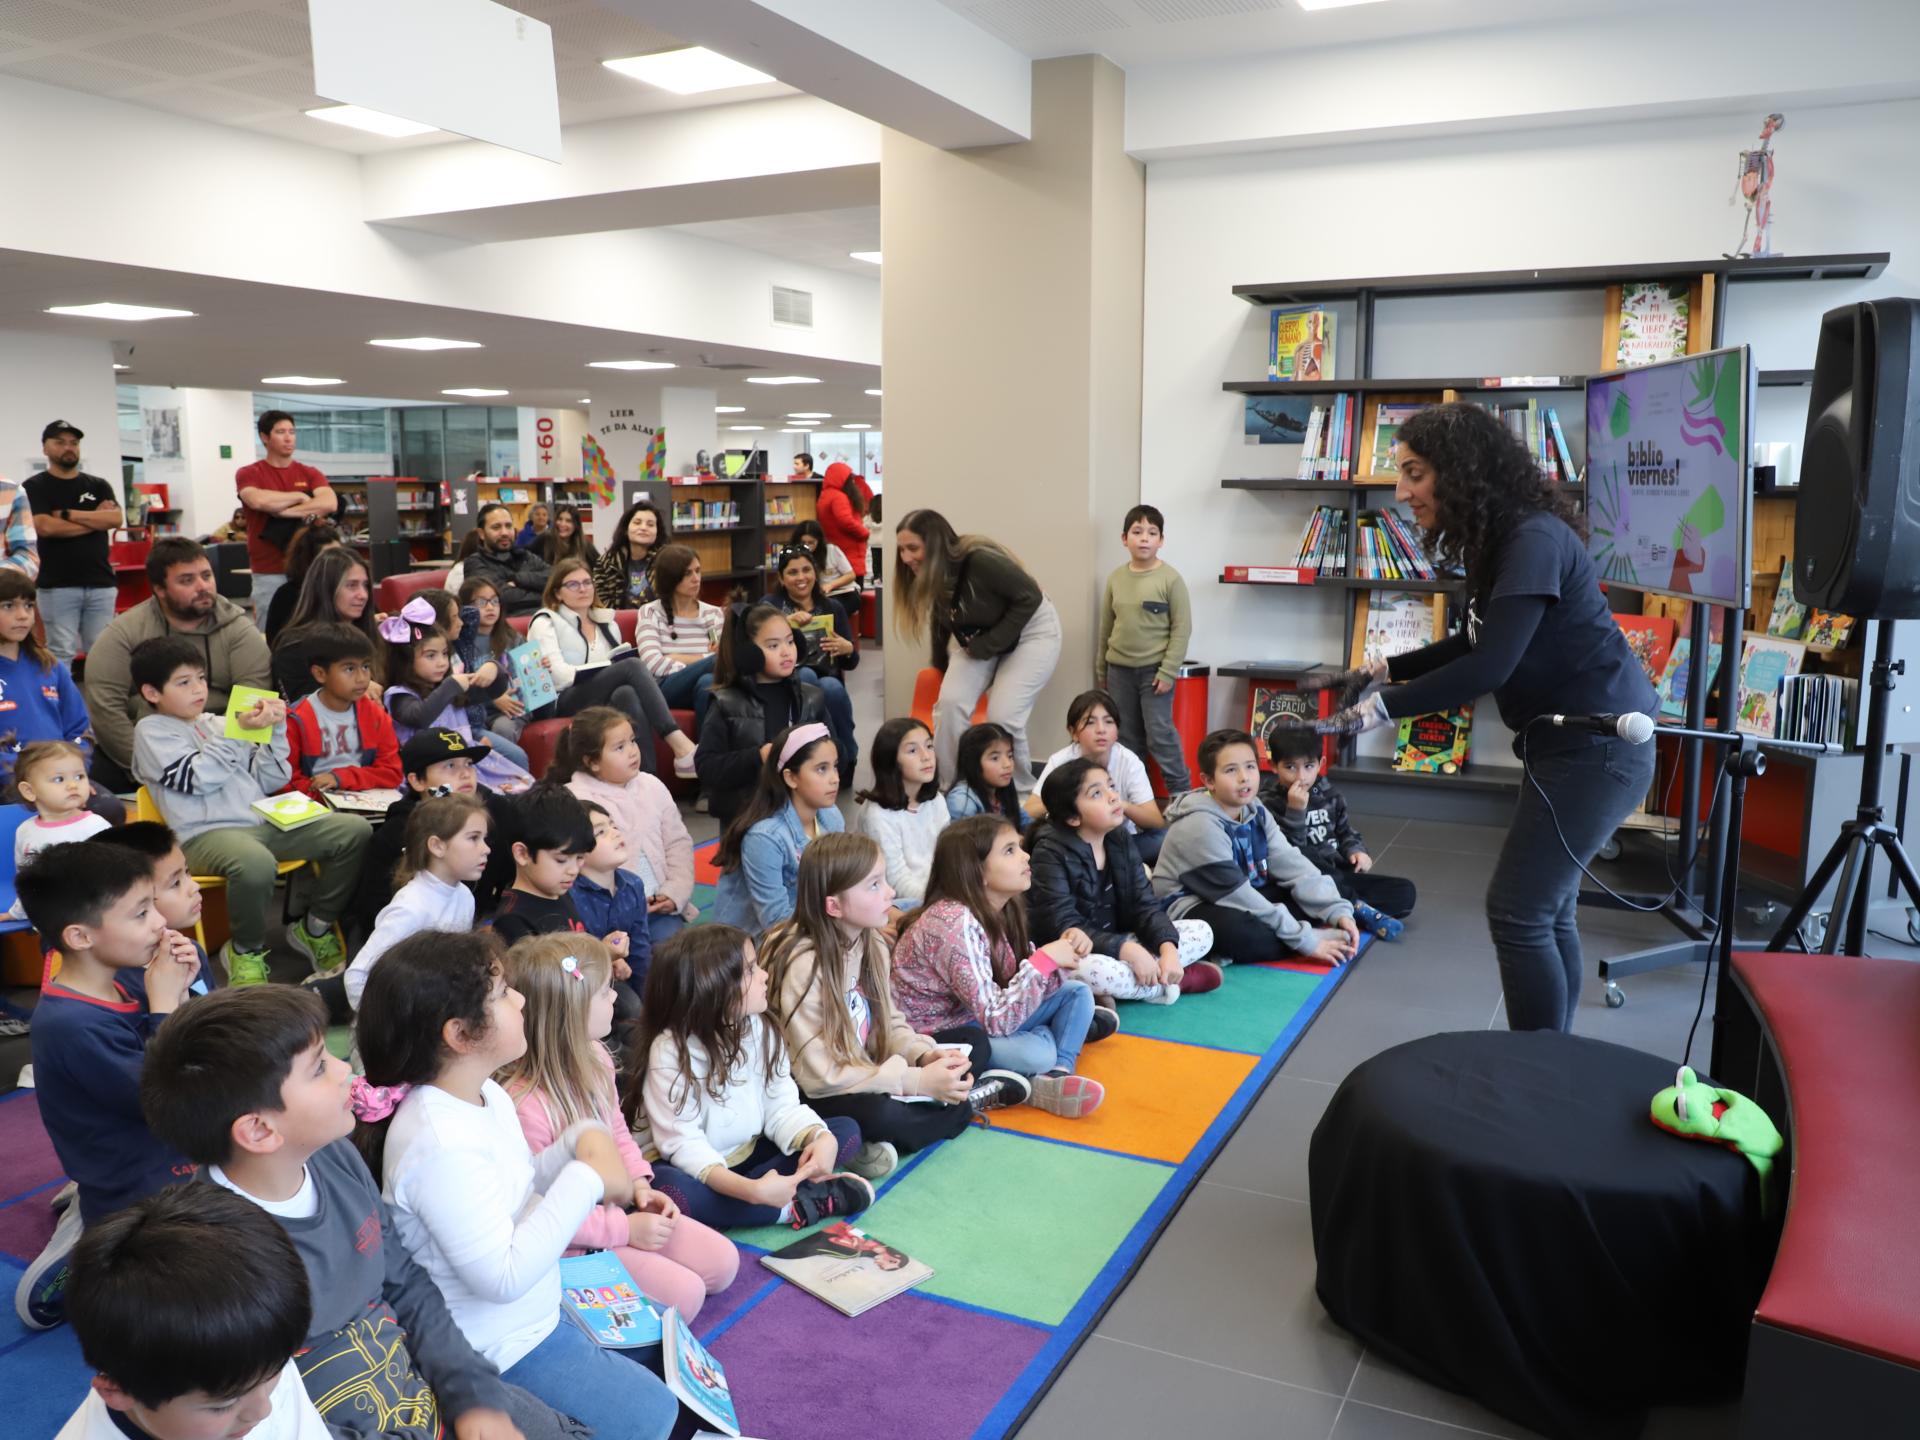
(1145,622)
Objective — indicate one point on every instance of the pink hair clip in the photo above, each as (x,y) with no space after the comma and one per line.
(373,1103)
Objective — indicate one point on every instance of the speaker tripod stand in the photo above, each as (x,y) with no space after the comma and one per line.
(1852,852)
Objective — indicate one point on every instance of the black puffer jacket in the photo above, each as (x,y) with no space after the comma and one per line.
(727,759)
(993,599)
(1112,906)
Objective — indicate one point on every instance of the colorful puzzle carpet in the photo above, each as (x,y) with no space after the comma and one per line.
(1032,1226)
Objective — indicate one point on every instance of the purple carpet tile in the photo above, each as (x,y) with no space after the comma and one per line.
(909,1369)
(27,1160)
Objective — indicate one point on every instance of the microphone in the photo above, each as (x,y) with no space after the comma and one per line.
(1633,727)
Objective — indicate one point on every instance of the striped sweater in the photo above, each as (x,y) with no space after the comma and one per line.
(669,643)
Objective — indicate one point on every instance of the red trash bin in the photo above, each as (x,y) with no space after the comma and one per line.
(1190,696)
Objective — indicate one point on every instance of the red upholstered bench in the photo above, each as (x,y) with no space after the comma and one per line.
(394,591)
(541,737)
(1836,1336)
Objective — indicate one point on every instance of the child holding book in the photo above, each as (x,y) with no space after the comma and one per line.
(754,698)
(47,703)
(242,1083)
(1226,862)
(205,1360)
(965,959)
(984,783)
(598,759)
(446,854)
(205,786)
(122,973)
(1096,737)
(51,776)
(1088,877)
(566,1078)
(759,856)
(1313,816)
(475,1208)
(853,1051)
(476,653)
(716,1098)
(1145,623)
(424,691)
(904,811)
(338,737)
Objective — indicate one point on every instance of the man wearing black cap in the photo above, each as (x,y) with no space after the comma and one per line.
(73,513)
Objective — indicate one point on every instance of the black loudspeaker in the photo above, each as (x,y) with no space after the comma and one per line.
(1857,525)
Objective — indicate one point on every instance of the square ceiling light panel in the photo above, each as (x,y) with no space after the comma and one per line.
(469,66)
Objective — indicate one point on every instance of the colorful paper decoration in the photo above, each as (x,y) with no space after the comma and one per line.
(655,467)
(597,470)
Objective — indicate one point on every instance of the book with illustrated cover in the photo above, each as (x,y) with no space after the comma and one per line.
(1436,744)
(1673,680)
(532,681)
(290,811)
(1827,629)
(1300,345)
(376,801)
(1764,663)
(1277,419)
(1276,702)
(1650,637)
(601,1295)
(1653,322)
(1387,419)
(1789,617)
(699,1380)
(847,1268)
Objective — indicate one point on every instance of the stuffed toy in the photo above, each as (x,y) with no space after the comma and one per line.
(1694,1110)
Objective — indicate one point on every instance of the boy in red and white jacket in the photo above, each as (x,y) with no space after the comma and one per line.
(339,737)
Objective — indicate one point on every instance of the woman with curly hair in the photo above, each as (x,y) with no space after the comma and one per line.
(1540,638)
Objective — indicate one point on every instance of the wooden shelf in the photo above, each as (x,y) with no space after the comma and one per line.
(1349,582)
(1486,779)
(1371,386)
(1862,266)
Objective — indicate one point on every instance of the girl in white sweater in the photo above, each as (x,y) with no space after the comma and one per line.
(471,1203)
(904,812)
(717,1100)
(446,851)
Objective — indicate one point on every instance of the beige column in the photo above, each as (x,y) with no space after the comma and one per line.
(1011,351)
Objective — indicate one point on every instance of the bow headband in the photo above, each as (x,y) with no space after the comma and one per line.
(415,614)
(802,736)
(373,1103)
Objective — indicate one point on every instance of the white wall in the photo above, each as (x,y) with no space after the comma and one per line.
(1614,194)
(57,377)
(210,419)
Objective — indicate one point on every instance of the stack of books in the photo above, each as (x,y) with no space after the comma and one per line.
(1389,549)
(1538,428)
(1327,451)
(1819,709)
(1323,544)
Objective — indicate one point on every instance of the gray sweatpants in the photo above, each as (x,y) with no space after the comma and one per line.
(1016,680)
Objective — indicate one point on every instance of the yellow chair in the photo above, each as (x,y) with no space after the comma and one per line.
(145,809)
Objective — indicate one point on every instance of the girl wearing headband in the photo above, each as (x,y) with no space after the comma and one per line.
(426,693)
(759,858)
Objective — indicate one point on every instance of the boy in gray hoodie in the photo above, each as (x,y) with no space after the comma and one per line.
(1225,862)
(205,784)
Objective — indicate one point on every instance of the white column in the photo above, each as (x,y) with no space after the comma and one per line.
(57,377)
(687,412)
(217,436)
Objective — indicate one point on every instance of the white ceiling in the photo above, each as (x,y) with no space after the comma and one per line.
(249,63)
(242,332)
(1142,32)
(811,237)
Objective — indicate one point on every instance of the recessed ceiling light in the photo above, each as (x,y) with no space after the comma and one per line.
(851,425)
(798,430)
(872,257)
(427,342)
(586,399)
(809,414)
(746,427)
(118,366)
(692,71)
(298,380)
(783,380)
(474,393)
(357,117)
(873,392)
(113,310)
(1332,4)
(630,365)
(729,409)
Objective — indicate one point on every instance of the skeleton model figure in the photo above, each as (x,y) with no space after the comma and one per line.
(1753,182)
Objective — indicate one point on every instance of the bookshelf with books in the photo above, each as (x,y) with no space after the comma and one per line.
(406,521)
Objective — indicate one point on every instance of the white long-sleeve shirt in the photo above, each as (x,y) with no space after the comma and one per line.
(696,1133)
(423,903)
(906,838)
(483,1216)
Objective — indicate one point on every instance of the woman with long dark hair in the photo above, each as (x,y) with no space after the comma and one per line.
(338,590)
(301,554)
(1540,638)
(567,537)
(623,576)
(990,624)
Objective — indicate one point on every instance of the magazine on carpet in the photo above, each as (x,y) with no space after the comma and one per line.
(376,801)
(847,1268)
(601,1295)
(696,1377)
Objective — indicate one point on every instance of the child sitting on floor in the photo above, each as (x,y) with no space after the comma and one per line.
(339,737)
(1226,862)
(437,762)
(446,853)
(598,759)
(759,856)
(566,1077)
(984,785)
(1313,816)
(611,899)
(1096,737)
(904,810)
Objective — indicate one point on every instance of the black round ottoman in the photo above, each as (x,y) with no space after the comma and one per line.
(1495,1212)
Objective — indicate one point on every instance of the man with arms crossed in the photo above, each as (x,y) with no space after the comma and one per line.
(73,513)
(279,495)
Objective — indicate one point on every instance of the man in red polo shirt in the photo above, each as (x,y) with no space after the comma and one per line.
(279,495)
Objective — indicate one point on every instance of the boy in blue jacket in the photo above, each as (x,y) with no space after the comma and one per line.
(612,901)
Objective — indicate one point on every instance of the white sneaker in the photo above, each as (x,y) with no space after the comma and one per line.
(25,1082)
(683,766)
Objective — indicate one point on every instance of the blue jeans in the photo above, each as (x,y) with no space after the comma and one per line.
(264,587)
(1051,1037)
(620,1399)
(690,689)
(1533,896)
(507,748)
(659,927)
(75,616)
(723,1212)
(839,713)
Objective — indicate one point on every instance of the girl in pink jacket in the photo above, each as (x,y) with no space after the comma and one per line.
(567,1076)
(598,759)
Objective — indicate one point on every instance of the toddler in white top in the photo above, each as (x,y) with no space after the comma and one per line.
(52,778)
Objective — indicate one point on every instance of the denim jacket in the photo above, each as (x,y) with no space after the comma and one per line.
(759,891)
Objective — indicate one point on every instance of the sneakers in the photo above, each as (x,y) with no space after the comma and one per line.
(841,1194)
(41,1298)
(683,766)
(875,1161)
(1200,977)
(997,1089)
(1071,1097)
(12,1027)
(243,967)
(1383,925)
(1104,1024)
(63,1197)
(324,952)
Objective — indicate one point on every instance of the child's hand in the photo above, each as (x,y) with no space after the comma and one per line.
(774,1189)
(326,780)
(1332,949)
(485,1425)
(1299,792)
(617,944)
(1162,687)
(486,674)
(170,971)
(819,1158)
(460,679)
(1347,925)
(648,1230)
(1170,967)
(596,1148)
(896,917)
(1062,954)
(660,905)
(1137,958)
(265,712)
(651,1201)
(1078,939)
(1361,862)
(510,706)
(951,1077)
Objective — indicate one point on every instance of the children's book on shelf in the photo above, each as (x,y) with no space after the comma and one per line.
(1650,637)
(290,811)
(847,1268)
(1653,322)
(1436,744)
(1273,702)
(1392,622)
(1674,679)
(601,1295)
(1789,618)
(1276,419)
(1300,345)
(1387,419)
(699,1380)
(532,681)
(1827,629)
(1764,663)
(1818,708)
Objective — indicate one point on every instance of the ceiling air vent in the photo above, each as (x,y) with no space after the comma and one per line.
(792,307)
